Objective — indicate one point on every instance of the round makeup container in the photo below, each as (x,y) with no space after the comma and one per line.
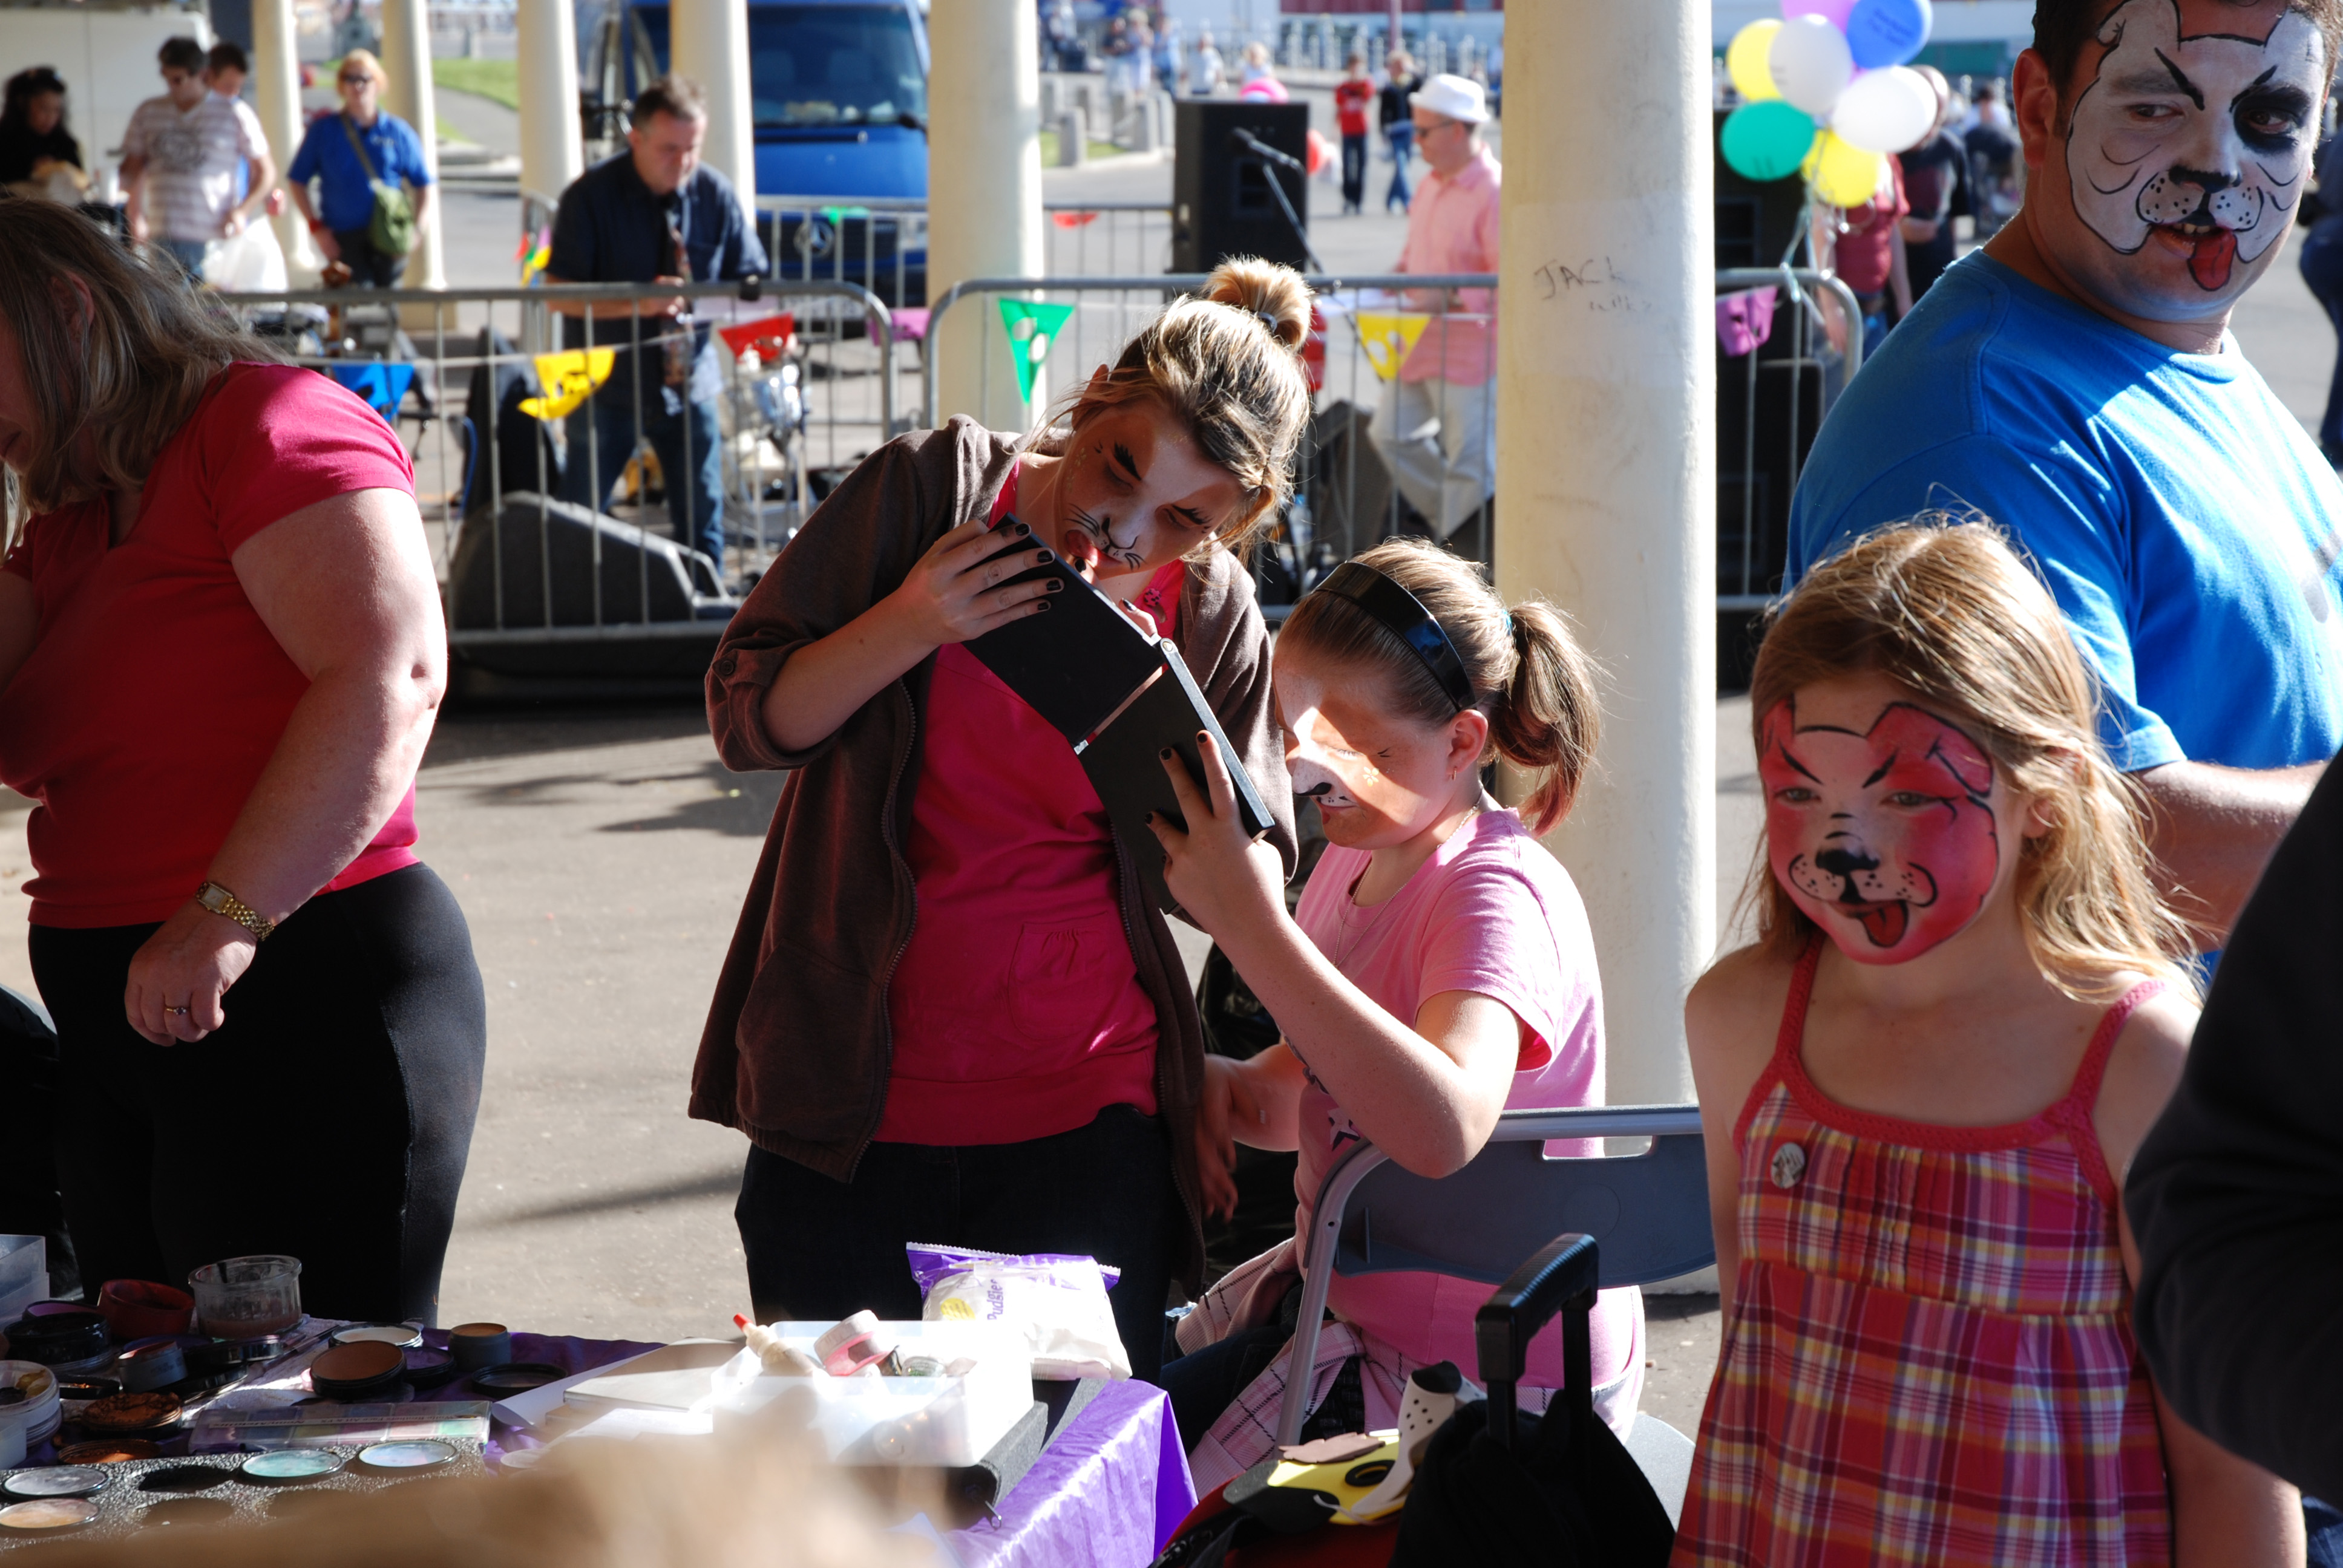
(369,1370)
(57,1481)
(238,1297)
(36,1406)
(185,1478)
(150,1364)
(82,1390)
(289,1467)
(516,1377)
(403,1335)
(141,1309)
(108,1451)
(67,1341)
(478,1346)
(132,1414)
(428,1368)
(408,1455)
(48,1515)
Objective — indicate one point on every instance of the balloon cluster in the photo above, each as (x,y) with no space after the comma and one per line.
(1829,93)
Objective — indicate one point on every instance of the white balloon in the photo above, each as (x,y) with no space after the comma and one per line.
(1885,111)
(1810,63)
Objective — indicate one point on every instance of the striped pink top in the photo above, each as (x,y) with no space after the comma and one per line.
(1930,1358)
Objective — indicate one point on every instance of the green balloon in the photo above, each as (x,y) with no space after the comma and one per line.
(1766,141)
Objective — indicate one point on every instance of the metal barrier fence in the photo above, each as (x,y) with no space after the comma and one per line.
(1347,496)
(493,400)
(882,243)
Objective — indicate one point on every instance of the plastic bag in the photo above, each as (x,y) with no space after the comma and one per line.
(1058,1300)
(247,262)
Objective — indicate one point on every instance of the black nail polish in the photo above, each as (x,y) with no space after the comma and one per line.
(1165,754)
(1040,604)
(1042,558)
(1022,531)
(1056,585)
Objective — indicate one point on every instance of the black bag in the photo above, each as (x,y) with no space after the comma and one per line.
(1497,1487)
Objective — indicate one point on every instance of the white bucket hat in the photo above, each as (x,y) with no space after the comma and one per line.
(1456,97)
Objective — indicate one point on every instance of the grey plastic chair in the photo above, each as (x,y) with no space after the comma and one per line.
(1647,1212)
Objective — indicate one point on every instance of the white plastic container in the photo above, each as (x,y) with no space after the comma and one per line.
(39,1416)
(23,1274)
(940,1420)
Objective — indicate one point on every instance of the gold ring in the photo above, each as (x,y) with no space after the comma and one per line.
(177,1012)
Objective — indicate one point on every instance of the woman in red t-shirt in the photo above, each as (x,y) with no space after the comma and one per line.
(1352,93)
(949,1014)
(221,651)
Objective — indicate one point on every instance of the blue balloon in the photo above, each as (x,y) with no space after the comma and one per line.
(1886,31)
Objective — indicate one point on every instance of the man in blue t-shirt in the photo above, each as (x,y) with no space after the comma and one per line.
(653,214)
(2075,381)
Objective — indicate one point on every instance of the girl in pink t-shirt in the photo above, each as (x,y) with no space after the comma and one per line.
(1438,969)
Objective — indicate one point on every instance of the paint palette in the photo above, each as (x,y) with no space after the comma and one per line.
(135,1496)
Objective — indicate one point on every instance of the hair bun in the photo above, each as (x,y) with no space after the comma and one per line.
(1273,292)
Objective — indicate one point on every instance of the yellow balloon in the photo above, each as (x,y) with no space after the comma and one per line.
(1842,174)
(1744,61)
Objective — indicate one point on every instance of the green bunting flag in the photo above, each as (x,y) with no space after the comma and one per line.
(1030,326)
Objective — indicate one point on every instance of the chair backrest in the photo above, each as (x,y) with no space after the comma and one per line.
(1648,1212)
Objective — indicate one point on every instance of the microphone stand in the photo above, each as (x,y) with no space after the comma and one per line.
(1265,153)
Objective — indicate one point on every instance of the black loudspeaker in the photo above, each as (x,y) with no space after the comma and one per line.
(1223,201)
(546,537)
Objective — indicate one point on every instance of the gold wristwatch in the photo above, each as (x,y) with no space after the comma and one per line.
(220,901)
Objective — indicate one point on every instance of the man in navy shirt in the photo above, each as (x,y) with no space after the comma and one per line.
(2075,382)
(653,214)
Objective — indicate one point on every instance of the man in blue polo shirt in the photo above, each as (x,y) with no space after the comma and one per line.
(653,214)
(2075,382)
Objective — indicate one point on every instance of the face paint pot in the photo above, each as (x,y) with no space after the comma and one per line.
(33,1406)
(403,1335)
(143,1309)
(133,1414)
(238,1298)
(357,1373)
(150,1364)
(57,1481)
(428,1368)
(477,1346)
(289,1467)
(69,1340)
(47,1516)
(108,1451)
(408,1456)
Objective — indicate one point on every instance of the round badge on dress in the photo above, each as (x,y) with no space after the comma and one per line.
(1789,1164)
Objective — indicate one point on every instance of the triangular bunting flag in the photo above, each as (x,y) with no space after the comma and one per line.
(1388,337)
(769,336)
(567,380)
(384,387)
(1030,326)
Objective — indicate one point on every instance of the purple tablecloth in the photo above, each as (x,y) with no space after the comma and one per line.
(1108,1491)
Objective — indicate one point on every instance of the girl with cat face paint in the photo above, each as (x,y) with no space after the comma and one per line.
(1438,968)
(1920,1090)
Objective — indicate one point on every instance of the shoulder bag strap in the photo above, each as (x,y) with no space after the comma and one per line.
(358,147)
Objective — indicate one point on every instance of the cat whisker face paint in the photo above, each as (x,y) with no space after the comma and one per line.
(2188,149)
(1888,838)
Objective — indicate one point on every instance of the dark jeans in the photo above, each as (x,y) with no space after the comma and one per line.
(188,253)
(2322,270)
(1208,1381)
(1354,172)
(1403,147)
(369,267)
(361,1022)
(819,1249)
(695,483)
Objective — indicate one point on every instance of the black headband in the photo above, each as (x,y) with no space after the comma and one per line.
(1403,614)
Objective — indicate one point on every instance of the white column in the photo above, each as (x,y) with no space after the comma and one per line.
(984,190)
(710,45)
(552,150)
(406,61)
(1606,472)
(277,85)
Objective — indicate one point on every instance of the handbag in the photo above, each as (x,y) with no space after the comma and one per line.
(390,229)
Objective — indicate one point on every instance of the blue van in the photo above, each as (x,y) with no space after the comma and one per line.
(841,91)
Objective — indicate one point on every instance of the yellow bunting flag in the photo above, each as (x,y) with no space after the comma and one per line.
(1388,337)
(568,379)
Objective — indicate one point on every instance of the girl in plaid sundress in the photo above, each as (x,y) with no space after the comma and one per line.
(1921,1087)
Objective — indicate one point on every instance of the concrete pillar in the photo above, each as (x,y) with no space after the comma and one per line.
(711,47)
(1607,303)
(1073,139)
(276,94)
(552,146)
(984,189)
(406,61)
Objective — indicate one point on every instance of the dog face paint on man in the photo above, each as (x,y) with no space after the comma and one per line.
(2189,148)
(1889,839)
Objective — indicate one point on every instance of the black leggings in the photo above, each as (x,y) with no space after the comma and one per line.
(329,1118)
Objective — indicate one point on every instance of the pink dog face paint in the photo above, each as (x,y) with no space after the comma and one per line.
(1888,840)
